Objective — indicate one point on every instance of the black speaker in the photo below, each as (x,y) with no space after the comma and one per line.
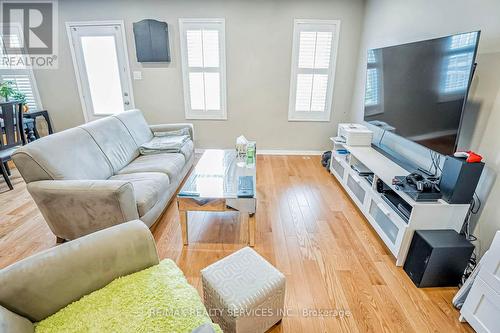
(459,180)
(437,258)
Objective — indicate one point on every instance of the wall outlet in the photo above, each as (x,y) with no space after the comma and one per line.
(137,75)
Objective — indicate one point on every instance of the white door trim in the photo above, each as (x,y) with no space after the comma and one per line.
(71,24)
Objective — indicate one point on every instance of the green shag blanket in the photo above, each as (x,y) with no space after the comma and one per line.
(157,299)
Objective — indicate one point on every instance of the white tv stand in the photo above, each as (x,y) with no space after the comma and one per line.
(389,225)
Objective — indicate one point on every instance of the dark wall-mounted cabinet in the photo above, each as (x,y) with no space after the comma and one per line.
(151,41)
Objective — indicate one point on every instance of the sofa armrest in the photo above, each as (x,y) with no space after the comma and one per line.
(74,208)
(11,322)
(39,286)
(173,127)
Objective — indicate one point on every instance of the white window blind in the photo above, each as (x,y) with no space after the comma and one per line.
(313,67)
(459,62)
(203,66)
(22,77)
(24,84)
(457,72)
(372,94)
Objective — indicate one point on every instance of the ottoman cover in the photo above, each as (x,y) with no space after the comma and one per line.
(243,292)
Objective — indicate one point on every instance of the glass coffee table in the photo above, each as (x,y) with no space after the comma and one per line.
(213,186)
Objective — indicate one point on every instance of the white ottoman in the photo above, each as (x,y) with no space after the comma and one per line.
(243,292)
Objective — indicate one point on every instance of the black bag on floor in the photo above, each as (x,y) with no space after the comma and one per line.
(325,159)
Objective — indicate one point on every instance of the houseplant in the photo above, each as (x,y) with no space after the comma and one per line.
(21,97)
(7,90)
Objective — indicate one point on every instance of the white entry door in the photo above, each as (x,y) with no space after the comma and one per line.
(101,64)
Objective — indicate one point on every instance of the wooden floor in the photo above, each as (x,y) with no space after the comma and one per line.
(307,227)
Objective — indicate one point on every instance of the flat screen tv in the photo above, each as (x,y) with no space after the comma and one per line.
(418,90)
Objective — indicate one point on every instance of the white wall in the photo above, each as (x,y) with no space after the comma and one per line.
(389,22)
(258,43)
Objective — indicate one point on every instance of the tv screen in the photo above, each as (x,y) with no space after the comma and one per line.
(418,90)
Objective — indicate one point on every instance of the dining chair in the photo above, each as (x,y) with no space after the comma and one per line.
(12,135)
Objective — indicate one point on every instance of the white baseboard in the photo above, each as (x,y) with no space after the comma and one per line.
(277,152)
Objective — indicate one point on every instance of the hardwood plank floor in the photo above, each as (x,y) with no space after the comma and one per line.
(307,227)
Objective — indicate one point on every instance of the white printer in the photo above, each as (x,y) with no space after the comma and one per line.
(355,134)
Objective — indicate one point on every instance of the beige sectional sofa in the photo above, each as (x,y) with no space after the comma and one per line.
(92,177)
(41,285)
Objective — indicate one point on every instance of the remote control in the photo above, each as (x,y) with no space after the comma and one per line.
(245,187)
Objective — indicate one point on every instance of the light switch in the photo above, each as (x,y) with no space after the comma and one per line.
(137,75)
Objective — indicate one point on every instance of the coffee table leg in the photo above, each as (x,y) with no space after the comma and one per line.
(184,226)
(249,221)
(251,230)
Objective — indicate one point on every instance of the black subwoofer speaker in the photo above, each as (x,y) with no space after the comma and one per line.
(437,258)
(459,180)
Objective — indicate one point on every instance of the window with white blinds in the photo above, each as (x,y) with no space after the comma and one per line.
(374,87)
(372,80)
(458,63)
(314,54)
(17,73)
(203,68)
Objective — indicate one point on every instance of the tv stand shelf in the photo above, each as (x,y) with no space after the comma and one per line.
(394,231)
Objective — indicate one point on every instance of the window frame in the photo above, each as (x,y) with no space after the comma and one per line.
(316,25)
(184,24)
(377,65)
(27,70)
(451,95)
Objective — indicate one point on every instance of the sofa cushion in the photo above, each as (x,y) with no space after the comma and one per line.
(68,155)
(157,299)
(148,188)
(114,139)
(170,164)
(136,125)
(188,149)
